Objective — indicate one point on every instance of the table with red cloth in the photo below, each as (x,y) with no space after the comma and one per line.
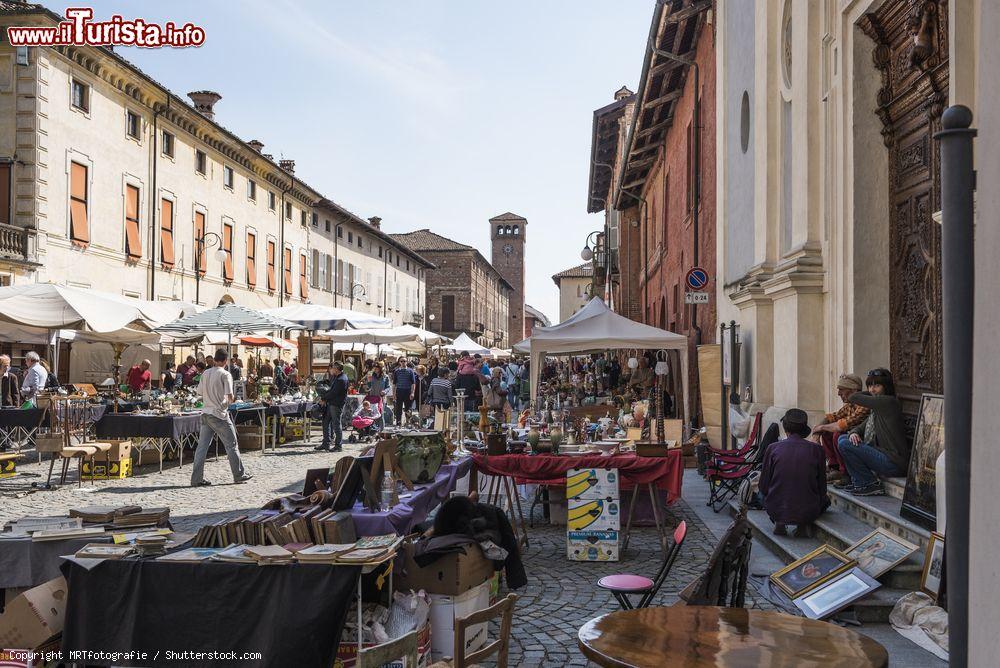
(665,473)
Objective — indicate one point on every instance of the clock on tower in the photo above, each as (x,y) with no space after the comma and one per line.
(507,236)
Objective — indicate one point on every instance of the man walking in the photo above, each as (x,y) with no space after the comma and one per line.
(216,390)
(403,379)
(333,399)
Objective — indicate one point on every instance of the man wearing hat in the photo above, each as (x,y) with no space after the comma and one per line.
(793,478)
(846,418)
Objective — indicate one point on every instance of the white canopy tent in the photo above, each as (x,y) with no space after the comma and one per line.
(376,336)
(317,318)
(522,347)
(596,328)
(464,344)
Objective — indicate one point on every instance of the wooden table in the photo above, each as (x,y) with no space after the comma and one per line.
(709,636)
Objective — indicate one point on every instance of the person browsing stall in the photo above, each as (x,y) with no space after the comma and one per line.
(216,391)
(139,378)
(333,400)
(404,380)
(793,478)
(188,370)
(10,396)
(35,378)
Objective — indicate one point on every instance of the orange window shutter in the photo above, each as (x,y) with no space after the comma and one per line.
(79,226)
(303,283)
(199,234)
(167,233)
(5,186)
(271,283)
(227,245)
(133,240)
(251,260)
(288,271)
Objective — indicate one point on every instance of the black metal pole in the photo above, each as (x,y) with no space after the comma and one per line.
(958,183)
(724,418)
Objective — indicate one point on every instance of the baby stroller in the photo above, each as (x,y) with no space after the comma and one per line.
(366,427)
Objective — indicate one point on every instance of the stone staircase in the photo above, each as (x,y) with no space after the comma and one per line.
(847,520)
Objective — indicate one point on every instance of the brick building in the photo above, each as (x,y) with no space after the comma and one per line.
(533,318)
(465,293)
(507,239)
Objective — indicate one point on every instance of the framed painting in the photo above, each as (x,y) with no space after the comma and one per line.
(919,497)
(836,593)
(932,577)
(800,577)
(879,552)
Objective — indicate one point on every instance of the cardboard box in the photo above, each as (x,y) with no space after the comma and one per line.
(592,483)
(452,574)
(593,515)
(592,545)
(248,437)
(52,442)
(150,456)
(8,465)
(99,469)
(347,652)
(119,449)
(35,616)
(445,609)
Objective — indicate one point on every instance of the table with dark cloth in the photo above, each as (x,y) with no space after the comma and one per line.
(285,409)
(248,414)
(292,614)
(666,473)
(412,509)
(156,432)
(27,563)
(18,426)
(94,411)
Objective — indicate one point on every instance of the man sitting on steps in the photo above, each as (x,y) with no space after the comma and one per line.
(793,478)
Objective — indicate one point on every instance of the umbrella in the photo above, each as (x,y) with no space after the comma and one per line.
(316,317)
(228,318)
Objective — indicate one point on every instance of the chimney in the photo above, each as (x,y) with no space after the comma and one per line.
(256,145)
(287,165)
(204,101)
(268,156)
(376,222)
(622,92)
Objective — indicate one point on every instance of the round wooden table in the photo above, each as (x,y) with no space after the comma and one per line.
(708,636)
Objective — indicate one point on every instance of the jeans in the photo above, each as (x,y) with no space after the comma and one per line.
(331,423)
(223,428)
(865,462)
(401,405)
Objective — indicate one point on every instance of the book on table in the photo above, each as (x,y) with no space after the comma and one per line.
(326,552)
(384,542)
(63,534)
(191,555)
(105,551)
(234,554)
(363,556)
(269,554)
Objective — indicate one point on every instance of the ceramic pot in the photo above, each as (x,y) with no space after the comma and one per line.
(556,436)
(532,437)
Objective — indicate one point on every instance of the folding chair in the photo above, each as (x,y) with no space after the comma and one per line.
(729,468)
(386,653)
(504,608)
(622,585)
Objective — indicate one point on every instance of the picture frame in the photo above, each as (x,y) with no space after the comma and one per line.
(920,494)
(804,575)
(880,552)
(836,594)
(932,576)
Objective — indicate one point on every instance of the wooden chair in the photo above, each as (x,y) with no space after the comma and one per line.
(504,609)
(724,581)
(400,648)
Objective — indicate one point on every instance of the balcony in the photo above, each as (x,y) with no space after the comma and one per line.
(17,244)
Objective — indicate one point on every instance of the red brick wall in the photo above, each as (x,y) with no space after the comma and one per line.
(666,232)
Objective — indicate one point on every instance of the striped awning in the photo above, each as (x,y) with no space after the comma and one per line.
(229,318)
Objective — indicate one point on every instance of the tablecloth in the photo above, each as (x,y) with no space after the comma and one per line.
(28,418)
(289,408)
(245,415)
(24,563)
(147,426)
(94,412)
(665,472)
(293,614)
(413,509)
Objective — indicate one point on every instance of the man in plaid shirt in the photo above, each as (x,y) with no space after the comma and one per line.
(841,421)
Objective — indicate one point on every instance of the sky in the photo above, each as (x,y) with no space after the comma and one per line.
(434,114)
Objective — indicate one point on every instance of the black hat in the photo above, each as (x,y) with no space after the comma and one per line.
(796,416)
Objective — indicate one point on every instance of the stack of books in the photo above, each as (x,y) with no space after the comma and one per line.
(192,555)
(65,534)
(271,527)
(105,551)
(267,555)
(369,549)
(142,517)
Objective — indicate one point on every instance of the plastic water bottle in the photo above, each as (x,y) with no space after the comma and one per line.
(388,490)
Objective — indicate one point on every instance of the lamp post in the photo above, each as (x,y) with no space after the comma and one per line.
(357,291)
(588,253)
(205,241)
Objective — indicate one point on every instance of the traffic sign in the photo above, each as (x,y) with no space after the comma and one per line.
(697,278)
(695,297)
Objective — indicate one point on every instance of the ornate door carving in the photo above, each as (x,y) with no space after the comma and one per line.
(911,52)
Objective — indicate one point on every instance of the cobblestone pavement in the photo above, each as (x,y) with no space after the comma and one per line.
(561,595)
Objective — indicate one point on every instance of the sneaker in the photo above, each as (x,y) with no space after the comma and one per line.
(844,483)
(779,530)
(322,448)
(246,477)
(834,476)
(874,489)
(203,483)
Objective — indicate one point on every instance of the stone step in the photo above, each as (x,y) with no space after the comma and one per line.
(879,511)
(894,487)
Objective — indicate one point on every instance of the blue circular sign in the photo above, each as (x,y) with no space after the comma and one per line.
(697,278)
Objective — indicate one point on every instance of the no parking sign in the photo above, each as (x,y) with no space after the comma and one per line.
(697,278)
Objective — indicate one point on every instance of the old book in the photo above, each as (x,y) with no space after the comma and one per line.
(62,534)
(268,554)
(105,551)
(234,554)
(296,547)
(323,553)
(363,556)
(192,554)
(339,528)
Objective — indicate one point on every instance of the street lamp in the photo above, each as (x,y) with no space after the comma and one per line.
(357,291)
(205,241)
(587,254)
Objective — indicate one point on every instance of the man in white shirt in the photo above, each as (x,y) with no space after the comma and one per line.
(34,378)
(216,391)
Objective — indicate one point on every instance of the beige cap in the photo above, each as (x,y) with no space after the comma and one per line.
(850,381)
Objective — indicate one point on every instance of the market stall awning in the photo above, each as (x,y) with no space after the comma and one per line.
(376,336)
(426,337)
(229,318)
(465,344)
(268,342)
(316,317)
(523,347)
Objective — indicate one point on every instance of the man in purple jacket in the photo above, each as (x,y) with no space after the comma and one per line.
(793,479)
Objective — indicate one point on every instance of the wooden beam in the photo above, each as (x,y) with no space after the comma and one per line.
(654,128)
(696,7)
(663,99)
(633,184)
(644,149)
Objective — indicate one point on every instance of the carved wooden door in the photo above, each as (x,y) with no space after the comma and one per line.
(911,51)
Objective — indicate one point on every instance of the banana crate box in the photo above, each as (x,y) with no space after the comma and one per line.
(593,515)
(592,545)
(592,483)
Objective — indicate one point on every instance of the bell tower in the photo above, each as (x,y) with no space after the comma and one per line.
(507,236)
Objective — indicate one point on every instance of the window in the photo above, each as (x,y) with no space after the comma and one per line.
(317,269)
(339,283)
(499,230)
(79,231)
(288,210)
(81,95)
(167,144)
(302,218)
(251,260)
(270,200)
(388,256)
(360,242)
(21,57)
(166,234)
(271,284)
(407,265)
(227,176)
(448,313)
(199,238)
(227,245)
(200,162)
(380,251)
(315,219)
(133,238)
(745,122)
(330,279)
(327,225)
(6,170)
(340,232)
(350,237)
(303,274)
(690,168)
(517,230)
(397,259)
(287,256)
(132,125)
(252,189)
